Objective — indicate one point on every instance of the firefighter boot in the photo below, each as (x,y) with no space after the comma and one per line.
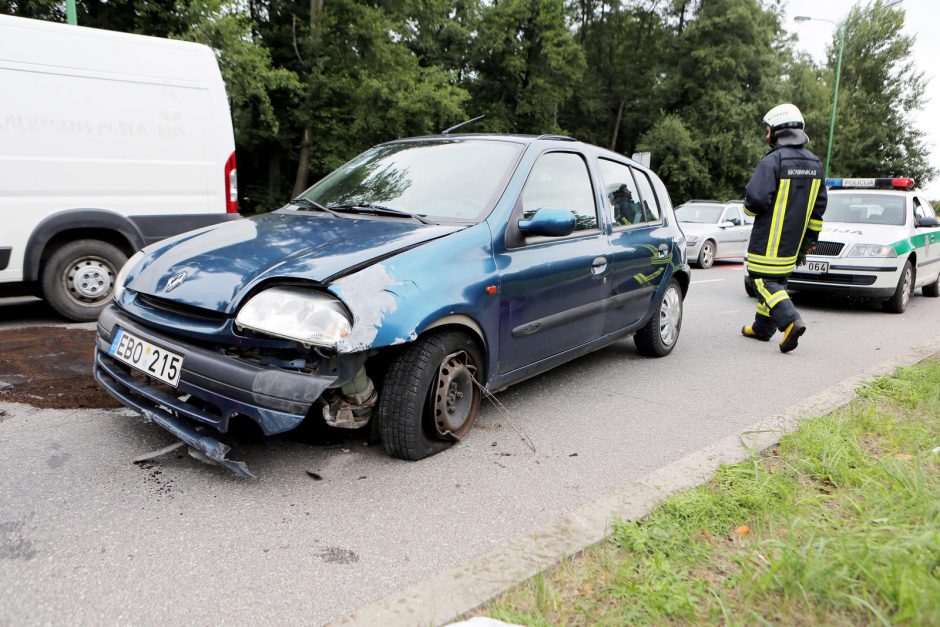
(749,331)
(791,335)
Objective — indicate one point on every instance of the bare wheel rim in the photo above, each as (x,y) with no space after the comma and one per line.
(708,253)
(88,280)
(906,292)
(670,313)
(455,398)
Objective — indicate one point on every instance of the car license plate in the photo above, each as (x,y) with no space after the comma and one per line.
(815,266)
(150,359)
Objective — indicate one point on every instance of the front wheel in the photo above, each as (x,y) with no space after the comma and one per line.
(658,337)
(902,295)
(706,256)
(78,278)
(430,398)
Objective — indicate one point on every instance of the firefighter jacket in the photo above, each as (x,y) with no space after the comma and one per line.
(787,197)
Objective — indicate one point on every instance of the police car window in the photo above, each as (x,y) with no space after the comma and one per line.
(925,206)
(866,208)
(650,207)
(560,180)
(621,192)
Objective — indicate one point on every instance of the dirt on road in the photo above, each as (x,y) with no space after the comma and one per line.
(50,367)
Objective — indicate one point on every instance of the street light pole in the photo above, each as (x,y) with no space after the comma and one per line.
(835,94)
(835,97)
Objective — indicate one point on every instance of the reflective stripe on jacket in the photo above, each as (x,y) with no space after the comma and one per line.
(787,197)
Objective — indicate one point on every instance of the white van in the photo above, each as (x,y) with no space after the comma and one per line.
(108,142)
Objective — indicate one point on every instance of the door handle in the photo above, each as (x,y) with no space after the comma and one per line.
(598,265)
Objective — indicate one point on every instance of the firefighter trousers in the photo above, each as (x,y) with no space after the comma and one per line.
(775,310)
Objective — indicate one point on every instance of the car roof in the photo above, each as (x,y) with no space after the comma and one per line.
(550,140)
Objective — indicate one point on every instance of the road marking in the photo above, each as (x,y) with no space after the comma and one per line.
(707,281)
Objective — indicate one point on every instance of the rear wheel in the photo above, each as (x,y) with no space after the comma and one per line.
(706,256)
(430,398)
(78,278)
(658,337)
(902,295)
(932,289)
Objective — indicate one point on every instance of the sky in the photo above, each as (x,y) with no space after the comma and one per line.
(921,16)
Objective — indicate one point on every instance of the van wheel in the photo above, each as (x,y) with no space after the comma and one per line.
(658,337)
(902,295)
(430,398)
(78,278)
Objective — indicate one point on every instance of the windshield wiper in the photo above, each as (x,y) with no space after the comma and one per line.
(379,210)
(306,203)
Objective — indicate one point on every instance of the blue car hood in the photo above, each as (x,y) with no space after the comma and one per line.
(221,263)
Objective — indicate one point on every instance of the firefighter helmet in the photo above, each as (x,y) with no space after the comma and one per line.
(784,116)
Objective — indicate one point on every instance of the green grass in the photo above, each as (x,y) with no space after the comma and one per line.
(843,521)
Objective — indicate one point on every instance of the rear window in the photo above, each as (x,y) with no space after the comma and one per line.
(866,208)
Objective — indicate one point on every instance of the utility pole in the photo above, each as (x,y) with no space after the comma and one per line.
(71,15)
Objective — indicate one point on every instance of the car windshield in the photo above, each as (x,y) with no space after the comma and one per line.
(866,208)
(458,179)
(704,214)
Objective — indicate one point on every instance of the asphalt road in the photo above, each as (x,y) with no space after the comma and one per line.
(88,537)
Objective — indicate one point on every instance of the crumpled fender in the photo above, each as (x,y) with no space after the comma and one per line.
(394,300)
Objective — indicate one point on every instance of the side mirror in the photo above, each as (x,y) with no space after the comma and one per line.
(725,224)
(549,222)
(927,222)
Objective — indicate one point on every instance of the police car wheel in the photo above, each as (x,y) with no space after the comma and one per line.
(932,289)
(902,295)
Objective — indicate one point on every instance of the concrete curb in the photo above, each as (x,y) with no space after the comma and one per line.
(442,598)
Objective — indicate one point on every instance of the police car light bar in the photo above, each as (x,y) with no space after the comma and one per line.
(895,183)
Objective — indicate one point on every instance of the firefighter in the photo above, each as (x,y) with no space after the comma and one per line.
(787,198)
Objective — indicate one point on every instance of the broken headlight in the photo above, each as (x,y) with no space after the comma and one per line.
(295,313)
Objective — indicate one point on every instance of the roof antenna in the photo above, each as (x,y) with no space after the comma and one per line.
(454,128)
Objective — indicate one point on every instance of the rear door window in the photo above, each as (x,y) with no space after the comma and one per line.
(648,198)
(623,197)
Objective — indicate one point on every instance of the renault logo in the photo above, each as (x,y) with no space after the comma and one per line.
(175,281)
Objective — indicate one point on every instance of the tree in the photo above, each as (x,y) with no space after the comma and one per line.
(676,157)
(879,91)
(526,64)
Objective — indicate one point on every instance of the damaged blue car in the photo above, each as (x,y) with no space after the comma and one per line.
(396,291)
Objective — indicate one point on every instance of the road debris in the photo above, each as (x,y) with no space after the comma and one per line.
(316,476)
(157,453)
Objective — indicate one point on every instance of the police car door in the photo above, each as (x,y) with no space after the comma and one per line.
(928,264)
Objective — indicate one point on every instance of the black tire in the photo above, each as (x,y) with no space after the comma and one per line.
(63,271)
(652,340)
(406,409)
(706,256)
(932,289)
(749,287)
(902,295)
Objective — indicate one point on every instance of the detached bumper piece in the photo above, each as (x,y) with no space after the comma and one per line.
(213,388)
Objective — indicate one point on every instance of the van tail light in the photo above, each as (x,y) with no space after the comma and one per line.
(231,185)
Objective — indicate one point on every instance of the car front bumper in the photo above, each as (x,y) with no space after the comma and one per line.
(875,277)
(222,387)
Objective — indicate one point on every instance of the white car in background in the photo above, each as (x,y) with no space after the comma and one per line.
(714,230)
(880,239)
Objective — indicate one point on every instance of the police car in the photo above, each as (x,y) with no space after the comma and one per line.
(880,238)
